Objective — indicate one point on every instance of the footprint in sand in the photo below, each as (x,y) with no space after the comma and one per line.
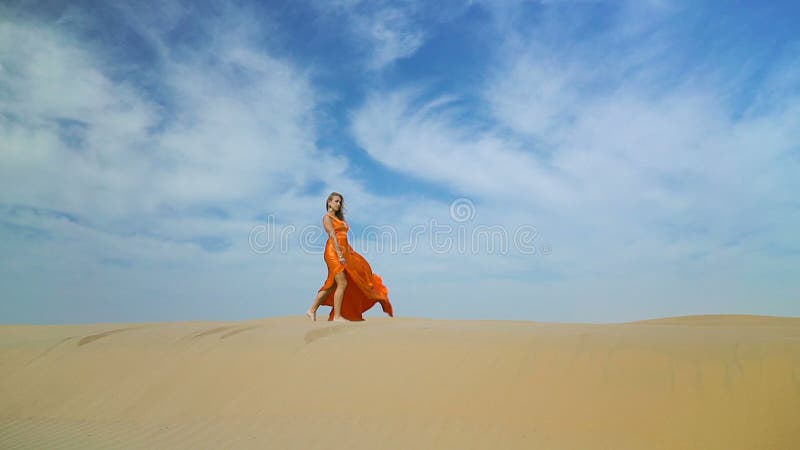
(94,337)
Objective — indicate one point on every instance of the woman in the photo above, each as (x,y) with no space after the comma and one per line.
(356,288)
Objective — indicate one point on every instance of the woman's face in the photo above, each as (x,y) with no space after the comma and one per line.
(335,203)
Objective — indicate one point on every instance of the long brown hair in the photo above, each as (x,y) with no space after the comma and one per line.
(340,213)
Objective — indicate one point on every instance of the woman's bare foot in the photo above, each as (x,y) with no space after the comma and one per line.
(340,319)
(311,315)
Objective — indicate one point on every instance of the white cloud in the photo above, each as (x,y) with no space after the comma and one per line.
(387,31)
(393,35)
(238,125)
(535,95)
(626,178)
(425,141)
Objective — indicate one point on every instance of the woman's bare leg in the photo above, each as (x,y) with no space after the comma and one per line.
(312,310)
(338,296)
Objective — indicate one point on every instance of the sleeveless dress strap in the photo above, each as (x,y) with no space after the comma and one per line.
(334,217)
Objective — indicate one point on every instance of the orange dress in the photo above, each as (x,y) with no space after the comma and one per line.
(364,288)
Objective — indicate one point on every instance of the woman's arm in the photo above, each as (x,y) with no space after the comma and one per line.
(326,222)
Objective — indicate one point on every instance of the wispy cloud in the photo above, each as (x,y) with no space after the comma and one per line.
(621,168)
(233,123)
(387,31)
(425,140)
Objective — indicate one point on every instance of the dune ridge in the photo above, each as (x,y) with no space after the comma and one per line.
(716,381)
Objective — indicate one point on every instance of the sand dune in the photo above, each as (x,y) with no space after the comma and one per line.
(699,382)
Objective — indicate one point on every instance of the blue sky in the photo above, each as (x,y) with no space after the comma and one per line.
(650,148)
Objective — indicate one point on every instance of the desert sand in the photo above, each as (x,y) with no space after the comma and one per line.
(698,382)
